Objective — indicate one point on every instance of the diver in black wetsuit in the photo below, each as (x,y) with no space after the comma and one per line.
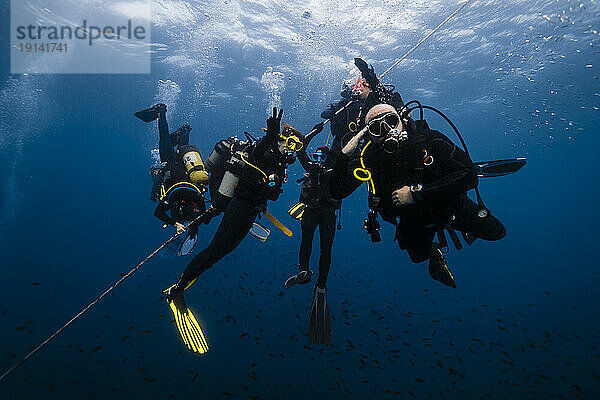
(357,100)
(418,180)
(260,180)
(315,209)
(178,181)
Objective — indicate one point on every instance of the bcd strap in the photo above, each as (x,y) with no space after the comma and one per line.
(454,237)
(419,143)
(442,238)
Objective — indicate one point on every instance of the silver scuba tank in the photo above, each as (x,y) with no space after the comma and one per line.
(228,183)
(219,156)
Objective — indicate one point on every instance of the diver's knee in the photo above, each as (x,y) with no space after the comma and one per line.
(418,256)
(498,233)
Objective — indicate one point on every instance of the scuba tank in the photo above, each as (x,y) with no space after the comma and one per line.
(192,161)
(226,190)
(225,164)
(219,156)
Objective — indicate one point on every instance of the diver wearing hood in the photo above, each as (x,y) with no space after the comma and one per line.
(260,180)
(364,93)
(418,180)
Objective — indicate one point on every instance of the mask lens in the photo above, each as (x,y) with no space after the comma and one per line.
(292,143)
(319,157)
(382,125)
(392,120)
(375,128)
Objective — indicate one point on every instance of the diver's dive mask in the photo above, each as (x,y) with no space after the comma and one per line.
(359,85)
(291,143)
(319,156)
(381,125)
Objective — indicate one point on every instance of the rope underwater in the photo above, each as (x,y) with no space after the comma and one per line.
(437,28)
(110,289)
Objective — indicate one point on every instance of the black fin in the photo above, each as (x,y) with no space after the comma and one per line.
(319,323)
(486,169)
(147,115)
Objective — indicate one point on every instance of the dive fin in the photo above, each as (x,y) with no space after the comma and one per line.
(438,268)
(188,245)
(488,169)
(260,232)
(151,114)
(297,211)
(187,325)
(319,322)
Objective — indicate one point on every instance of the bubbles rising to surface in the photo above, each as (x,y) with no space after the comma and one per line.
(273,83)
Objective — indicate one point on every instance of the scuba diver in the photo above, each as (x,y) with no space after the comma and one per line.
(254,176)
(315,209)
(348,114)
(178,182)
(418,180)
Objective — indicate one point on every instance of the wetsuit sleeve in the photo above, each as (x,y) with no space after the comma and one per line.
(342,182)
(456,171)
(161,212)
(263,145)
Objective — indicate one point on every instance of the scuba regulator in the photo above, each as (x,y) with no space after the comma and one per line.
(394,138)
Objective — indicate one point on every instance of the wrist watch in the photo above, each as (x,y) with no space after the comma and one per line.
(416,191)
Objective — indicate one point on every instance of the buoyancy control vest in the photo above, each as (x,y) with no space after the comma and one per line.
(315,190)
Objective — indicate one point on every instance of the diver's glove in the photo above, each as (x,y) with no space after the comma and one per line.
(367,72)
(274,122)
(180,228)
